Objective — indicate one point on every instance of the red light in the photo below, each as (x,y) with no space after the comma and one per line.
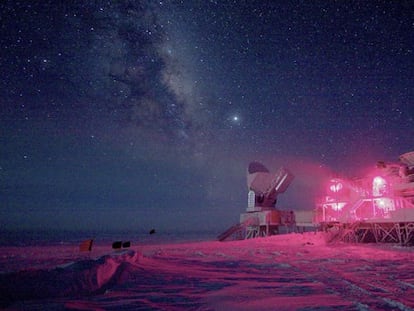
(335,186)
(379,186)
(379,181)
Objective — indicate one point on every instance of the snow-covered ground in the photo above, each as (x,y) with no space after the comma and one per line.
(285,272)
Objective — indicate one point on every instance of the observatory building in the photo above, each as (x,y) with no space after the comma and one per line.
(376,208)
(261,217)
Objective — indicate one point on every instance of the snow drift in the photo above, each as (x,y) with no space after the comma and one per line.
(80,278)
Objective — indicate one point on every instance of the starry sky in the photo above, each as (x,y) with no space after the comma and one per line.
(145,114)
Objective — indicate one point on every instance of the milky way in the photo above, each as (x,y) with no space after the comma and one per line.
(152,110)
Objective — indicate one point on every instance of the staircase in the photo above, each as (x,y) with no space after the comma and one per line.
(238,231)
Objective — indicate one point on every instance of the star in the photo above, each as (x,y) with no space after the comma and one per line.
(234,120)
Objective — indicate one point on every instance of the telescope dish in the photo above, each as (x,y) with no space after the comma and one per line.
(257,167)
(407,158)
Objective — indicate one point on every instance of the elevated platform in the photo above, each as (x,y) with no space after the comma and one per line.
(372,232)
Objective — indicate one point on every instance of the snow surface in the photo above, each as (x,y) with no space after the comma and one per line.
(284,272)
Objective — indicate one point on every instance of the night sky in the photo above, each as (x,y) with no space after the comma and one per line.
(145,114)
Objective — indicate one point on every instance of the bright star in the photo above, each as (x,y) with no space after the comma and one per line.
(235,119)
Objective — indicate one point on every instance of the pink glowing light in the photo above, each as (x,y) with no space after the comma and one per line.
(335,186)
(378,180)
(379,186)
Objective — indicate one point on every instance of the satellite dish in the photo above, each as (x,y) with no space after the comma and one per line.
(256,167)
(407,158)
